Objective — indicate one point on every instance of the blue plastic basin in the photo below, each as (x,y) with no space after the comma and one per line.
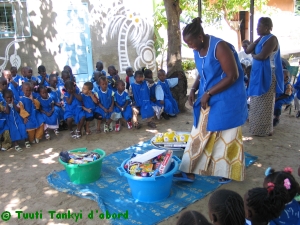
(150,189)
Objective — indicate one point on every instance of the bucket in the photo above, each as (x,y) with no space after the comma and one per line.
(150,189)
(84,173)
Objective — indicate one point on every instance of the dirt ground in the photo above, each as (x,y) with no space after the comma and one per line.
(23,175)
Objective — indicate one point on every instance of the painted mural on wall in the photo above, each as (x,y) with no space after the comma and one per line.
(14,59)
(134,29)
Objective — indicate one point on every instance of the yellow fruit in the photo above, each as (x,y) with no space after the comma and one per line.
(169,136)
(182,137)
(159,137)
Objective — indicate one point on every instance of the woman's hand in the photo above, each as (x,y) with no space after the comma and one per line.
(204,100)
(192,97)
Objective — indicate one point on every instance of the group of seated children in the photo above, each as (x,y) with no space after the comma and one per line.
(31,106)
(273,204)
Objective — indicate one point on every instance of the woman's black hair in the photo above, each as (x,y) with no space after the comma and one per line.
(89,85)
(69,84)
(38,89)
(192,218)
(7,92)
(138,73)
(194,28)
(41,68)
(267,203)
(279,177)
(228,207)
(266,21)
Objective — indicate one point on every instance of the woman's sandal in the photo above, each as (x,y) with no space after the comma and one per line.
(98,131)
(27,144)
(151,124)
(184,177)
(88,132)
(224,180)
(18,148)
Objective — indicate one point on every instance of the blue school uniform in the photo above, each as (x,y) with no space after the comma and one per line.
(15,90)
(25,79)
(96,87)
(55,94)
(289,216)
(35,118)
(288,100)
(297,87)
(73,110)
(141,94)
(170,106)
(15,123)
(46,105)
(121,100)
(105,98)
(45,83)
(93,79)
(3,124)
(261,72)
(228,109)
(89,104)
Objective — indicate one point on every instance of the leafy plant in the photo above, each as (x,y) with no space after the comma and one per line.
(188,65)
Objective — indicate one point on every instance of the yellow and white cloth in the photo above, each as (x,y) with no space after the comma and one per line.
(214,153)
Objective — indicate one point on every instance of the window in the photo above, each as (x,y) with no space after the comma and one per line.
(297,7)
(14,19)
(6,18)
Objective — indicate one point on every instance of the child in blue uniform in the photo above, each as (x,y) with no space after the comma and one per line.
(28,75)
(55,94)
(129,77)
(106,103)
(264,204)
(4,129)
(291,213)
(90,106)
(122,105)
(99,68)
(285,98)
(33,119)
(96,76)
(113,78)
(142,103)
(15,123)
(164,95)
(73,108)
(48,111)
(43,78)
(69,69)
(297,96)
(12,84)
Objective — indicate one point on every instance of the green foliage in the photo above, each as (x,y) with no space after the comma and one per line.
(214,10)
(188,65)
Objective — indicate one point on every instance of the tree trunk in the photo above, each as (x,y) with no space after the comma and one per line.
(174,65)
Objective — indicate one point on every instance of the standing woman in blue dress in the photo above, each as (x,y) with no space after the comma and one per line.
(215,146)
(266,78)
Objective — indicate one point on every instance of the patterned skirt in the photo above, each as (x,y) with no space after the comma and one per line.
(214,153)
(261,112)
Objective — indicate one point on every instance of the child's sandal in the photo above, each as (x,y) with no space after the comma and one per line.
(151,124)
(78,133)
(56,132)
(137,125)
(73,135)
(47,136)
(27,144)
(18,148)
